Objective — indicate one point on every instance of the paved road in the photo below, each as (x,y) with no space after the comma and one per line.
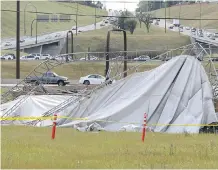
(13,82)
(48,37)
(186,32)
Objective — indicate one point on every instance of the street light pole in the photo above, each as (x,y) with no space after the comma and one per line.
(165,18)
(76,17)
(95,17)
(18,42)
(32,28)
(200,15)
(24,15)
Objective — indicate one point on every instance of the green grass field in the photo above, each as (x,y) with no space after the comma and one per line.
(28,147)
(8,19)
(208,11)
(140,40)
(72,70)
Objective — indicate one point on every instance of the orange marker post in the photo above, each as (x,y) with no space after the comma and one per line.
(54,126)
(144,128)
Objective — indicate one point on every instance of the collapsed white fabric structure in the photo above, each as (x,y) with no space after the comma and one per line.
(177,92)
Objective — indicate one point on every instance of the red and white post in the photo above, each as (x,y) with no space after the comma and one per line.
(54,126)
(144,127)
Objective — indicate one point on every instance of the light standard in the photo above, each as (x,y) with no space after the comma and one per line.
(24,15)
(200,14)
(32,28)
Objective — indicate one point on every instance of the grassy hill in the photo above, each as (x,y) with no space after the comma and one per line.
(208,11)
(8,19)
(156,39)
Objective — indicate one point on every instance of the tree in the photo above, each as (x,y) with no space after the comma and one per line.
(131,25)
(139,16)
(146,19)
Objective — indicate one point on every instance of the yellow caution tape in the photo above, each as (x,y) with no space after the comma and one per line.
(70,118)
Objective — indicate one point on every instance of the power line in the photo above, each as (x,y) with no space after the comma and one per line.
(106,16)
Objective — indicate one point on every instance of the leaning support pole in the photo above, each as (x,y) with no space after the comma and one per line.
(72,50)
(18,42)
(108,50)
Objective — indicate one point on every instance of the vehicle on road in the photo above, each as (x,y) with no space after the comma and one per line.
(92,79)
(37,56)
(79,31)
(142,58)
(158,19)
(214,59)
(48,37)
(171,26)
(212,37)
(7,44)
(48,78)
(156,23)
(45,57)
(200,34)
(176,22)
(22,41)
(74,28)
(102,24)
(187,28)
(28,57)
(216,34)
(193,29)
(8,57)
(58,35)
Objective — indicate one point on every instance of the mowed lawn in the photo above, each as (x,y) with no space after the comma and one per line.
(8,19)
(29,147)
(193,11)
(156,39)
(72,70)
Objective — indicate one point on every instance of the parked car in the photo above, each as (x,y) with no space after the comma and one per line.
(142,58)
(7,44)
(216,35)
(79,31)
(214,59)
(187,28)
(48,37)
(8,57)
(48,78)
(46,56)
(58,35)
(200,34)
(92,79)
(36,55)
(212,37)
(193,29)
(28,57)
(171,26)
(102,24)
(22,41)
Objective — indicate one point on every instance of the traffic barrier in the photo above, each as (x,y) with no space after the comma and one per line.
(54,126)
(144,128)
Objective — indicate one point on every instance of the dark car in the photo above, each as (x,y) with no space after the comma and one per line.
(48,78)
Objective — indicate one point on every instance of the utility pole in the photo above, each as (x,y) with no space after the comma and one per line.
(179,15)
(95,17)
(200,14)
(165,18)
(18,42)
(76,17)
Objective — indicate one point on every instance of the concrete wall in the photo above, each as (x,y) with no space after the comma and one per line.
(52,49)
